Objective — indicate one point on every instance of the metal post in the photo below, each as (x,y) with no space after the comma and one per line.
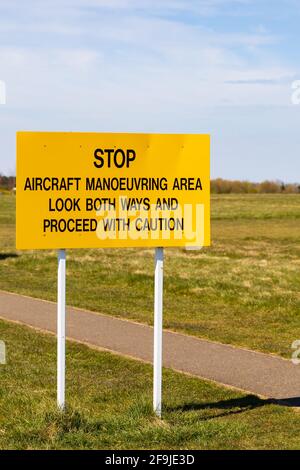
(61,328)
(158,322)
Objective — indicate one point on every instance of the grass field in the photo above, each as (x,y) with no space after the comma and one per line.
(109,404)
(244,290)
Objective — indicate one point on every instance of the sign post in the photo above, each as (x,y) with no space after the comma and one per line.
(112,190)
(158,329)
(61,328)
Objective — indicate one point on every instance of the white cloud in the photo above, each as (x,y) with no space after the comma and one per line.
(136,66)
(141,61)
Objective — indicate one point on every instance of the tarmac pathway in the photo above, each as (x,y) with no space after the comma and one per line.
(255,372)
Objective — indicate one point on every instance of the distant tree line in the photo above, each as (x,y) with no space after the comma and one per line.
(7,182)
(218,186)
(221,186)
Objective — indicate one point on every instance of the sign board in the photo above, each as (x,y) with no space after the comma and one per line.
(89,190)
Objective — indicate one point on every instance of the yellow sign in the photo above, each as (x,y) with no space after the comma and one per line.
(89,190)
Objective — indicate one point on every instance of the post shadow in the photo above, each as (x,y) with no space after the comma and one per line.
(4,256)
(234,405)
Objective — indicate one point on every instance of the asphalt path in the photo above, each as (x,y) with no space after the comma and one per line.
(261,374)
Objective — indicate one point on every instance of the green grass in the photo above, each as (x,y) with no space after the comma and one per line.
(109,404)
(244,290)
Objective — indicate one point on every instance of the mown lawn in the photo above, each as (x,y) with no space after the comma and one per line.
(109,404)
(244,290)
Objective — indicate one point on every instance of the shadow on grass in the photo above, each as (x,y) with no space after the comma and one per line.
(233,406)
(293,402)
(8,255)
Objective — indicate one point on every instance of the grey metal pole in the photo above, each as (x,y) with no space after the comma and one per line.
(158,324)
(61,328)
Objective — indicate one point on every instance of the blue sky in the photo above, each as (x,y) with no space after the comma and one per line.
(223,67)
